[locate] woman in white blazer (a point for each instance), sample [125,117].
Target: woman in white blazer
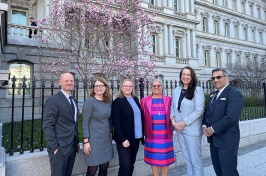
[186,110]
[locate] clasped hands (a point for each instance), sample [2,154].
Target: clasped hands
[179,126]
[207,131]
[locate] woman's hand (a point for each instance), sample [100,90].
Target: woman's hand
[87,148]
[126,143]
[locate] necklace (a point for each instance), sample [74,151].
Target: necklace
[158,112]
[183,91]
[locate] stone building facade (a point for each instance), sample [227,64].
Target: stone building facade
[203,34]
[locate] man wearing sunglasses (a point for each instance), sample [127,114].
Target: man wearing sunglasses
[221,124]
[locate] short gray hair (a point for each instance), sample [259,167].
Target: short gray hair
[225,73]
[157,80]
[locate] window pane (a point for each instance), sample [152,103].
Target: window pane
[19,70]
[19,17]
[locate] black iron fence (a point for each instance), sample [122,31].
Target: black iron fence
[23,129]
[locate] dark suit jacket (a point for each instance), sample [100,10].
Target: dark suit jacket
[59,126]
[224,118]
[123,120]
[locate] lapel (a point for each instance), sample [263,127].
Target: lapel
[128,104]
[177,96]
[148,103]
[225,91]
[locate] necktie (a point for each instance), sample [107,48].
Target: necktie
[214,97]
[72,106]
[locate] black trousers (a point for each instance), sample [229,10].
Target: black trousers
[62,165]
[224,161]
[127,158]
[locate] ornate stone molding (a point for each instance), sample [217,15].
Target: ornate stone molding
[258,6]
[253,28]
[247,54]
[198,46]
[244,1]
[251,3]
[179,33]
[255,55]
[263,56]
[228,50]
[236,23]
[206,47]
[260,30]
[238,52]
[245,26]
[227,21]
[264,8]
[218,49]
[22,3]
[216,18]
[205,14]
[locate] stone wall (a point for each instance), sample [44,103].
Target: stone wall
[37,163]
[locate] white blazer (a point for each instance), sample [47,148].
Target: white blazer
[190,111]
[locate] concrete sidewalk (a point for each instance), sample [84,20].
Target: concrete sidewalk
[251,161]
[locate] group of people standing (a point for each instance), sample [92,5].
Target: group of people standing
[150,121]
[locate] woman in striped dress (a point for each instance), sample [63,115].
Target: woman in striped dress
[158,149]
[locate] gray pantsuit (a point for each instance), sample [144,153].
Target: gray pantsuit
[190,137]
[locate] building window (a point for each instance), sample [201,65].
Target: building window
[259,13]
[216,27]
[253,36]
[217,59]
[19,70]
[19,17]
[251,11]
[228,59]
[245,34]
[225,3]
[243,7]
[175,5]
[226,29]
[214,1]
[206,58]
[234,5]
[151,2]
[153,43]
[204,24]
[177,47]
[236,32]
[261,37]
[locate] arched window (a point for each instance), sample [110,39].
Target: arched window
[19,70]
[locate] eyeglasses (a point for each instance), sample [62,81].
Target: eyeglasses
[99,86]
[154,86]
[217,77]
[127,86]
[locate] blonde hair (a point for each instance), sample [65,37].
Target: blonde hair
[120,94]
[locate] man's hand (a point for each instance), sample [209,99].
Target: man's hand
[207,131]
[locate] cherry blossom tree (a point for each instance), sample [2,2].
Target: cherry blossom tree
[107,37]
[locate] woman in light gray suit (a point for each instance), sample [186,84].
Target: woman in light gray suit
[186,110]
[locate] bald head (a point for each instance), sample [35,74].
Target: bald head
[66,82]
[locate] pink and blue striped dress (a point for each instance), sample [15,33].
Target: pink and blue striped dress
[159,150]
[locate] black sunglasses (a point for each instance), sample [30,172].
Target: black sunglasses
[217,77]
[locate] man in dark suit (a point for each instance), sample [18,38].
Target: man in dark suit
[60,128]
[221,124]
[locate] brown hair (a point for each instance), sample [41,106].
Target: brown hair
[106,95]
[193,83]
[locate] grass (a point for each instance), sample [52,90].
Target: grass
[248,113]
[6,142]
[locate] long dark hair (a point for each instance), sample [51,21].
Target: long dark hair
[192,85]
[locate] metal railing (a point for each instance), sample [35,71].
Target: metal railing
[31,94]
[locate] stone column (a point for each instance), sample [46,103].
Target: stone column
[182,6]
[165,40]
[171,41]
[221,27]
[188,43]
[170,4]
[186,6]
[191,7]
[193,46]
[164,3]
